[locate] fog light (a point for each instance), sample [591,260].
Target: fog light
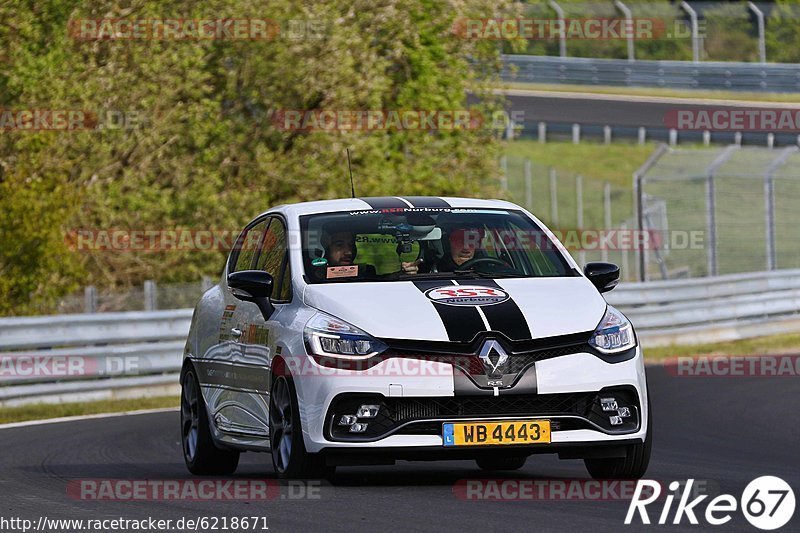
[368,411]
[347,420]
[358,428]
[608,404]
[624,412]
[615,421]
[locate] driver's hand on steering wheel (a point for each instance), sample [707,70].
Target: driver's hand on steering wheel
[410,267]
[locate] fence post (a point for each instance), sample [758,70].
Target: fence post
[562,40]
[606,216]
[90,299]
[711,225]
[624,229]
[762,45]
[528,185]
[150,296]
[576,134]
[504,173]
[695,31]
[607,134]
[642,135]
[629,19]
[706,138]
[553,198]
[711,208]
[770,140]
[769,219]
[579,204]
[542,132]
[673,137]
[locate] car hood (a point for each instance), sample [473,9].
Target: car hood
[444,310]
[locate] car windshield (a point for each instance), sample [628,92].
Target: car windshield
[427,243]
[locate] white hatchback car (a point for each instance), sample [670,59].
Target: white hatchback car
[366,330]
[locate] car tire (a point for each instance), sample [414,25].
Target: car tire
[201,455]
[501,463]
[289,456]
[633,465]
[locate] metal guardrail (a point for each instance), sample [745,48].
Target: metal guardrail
[711,75]
[91,356]
[712,309]
[118,355]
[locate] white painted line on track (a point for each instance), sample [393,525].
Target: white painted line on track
[86,417]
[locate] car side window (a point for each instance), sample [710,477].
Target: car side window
[272,258]
[247,246]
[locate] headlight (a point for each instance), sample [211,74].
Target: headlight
[328,336]
[614,334]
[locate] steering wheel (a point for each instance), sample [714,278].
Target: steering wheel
[479,260]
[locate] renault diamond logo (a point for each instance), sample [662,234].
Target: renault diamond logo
[493,357]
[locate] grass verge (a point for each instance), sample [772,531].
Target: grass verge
[657,92]
[614,162]
[775,344]
[43,411]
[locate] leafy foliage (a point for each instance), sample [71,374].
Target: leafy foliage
[204,151]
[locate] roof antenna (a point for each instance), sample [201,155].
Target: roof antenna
[350,168]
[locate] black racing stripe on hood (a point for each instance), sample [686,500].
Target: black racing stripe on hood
[384,202]
[462,323]
[505,317]
[426,201]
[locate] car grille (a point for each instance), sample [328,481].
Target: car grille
[404,409]
[402,413]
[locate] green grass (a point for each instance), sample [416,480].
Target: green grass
[666,93]
[43,411]
[776,344]
[614,163]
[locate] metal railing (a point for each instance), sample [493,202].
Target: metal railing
[118,355]
[710,75]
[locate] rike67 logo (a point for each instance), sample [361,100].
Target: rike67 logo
[767,503]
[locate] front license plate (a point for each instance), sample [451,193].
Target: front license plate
[491,433]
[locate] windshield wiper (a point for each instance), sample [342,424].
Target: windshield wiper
[489,275]
[432,275]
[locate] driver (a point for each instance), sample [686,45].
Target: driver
[462,245]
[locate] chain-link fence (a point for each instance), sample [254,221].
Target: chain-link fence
[148,297]
[725,211]
[593,218]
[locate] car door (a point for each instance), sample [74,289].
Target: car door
[258,338]
[229,397]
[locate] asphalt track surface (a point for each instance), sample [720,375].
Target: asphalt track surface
[726,431]
[614,110]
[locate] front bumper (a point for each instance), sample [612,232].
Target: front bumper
[414,406]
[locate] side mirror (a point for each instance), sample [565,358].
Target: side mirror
[253,286]
[604,276]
